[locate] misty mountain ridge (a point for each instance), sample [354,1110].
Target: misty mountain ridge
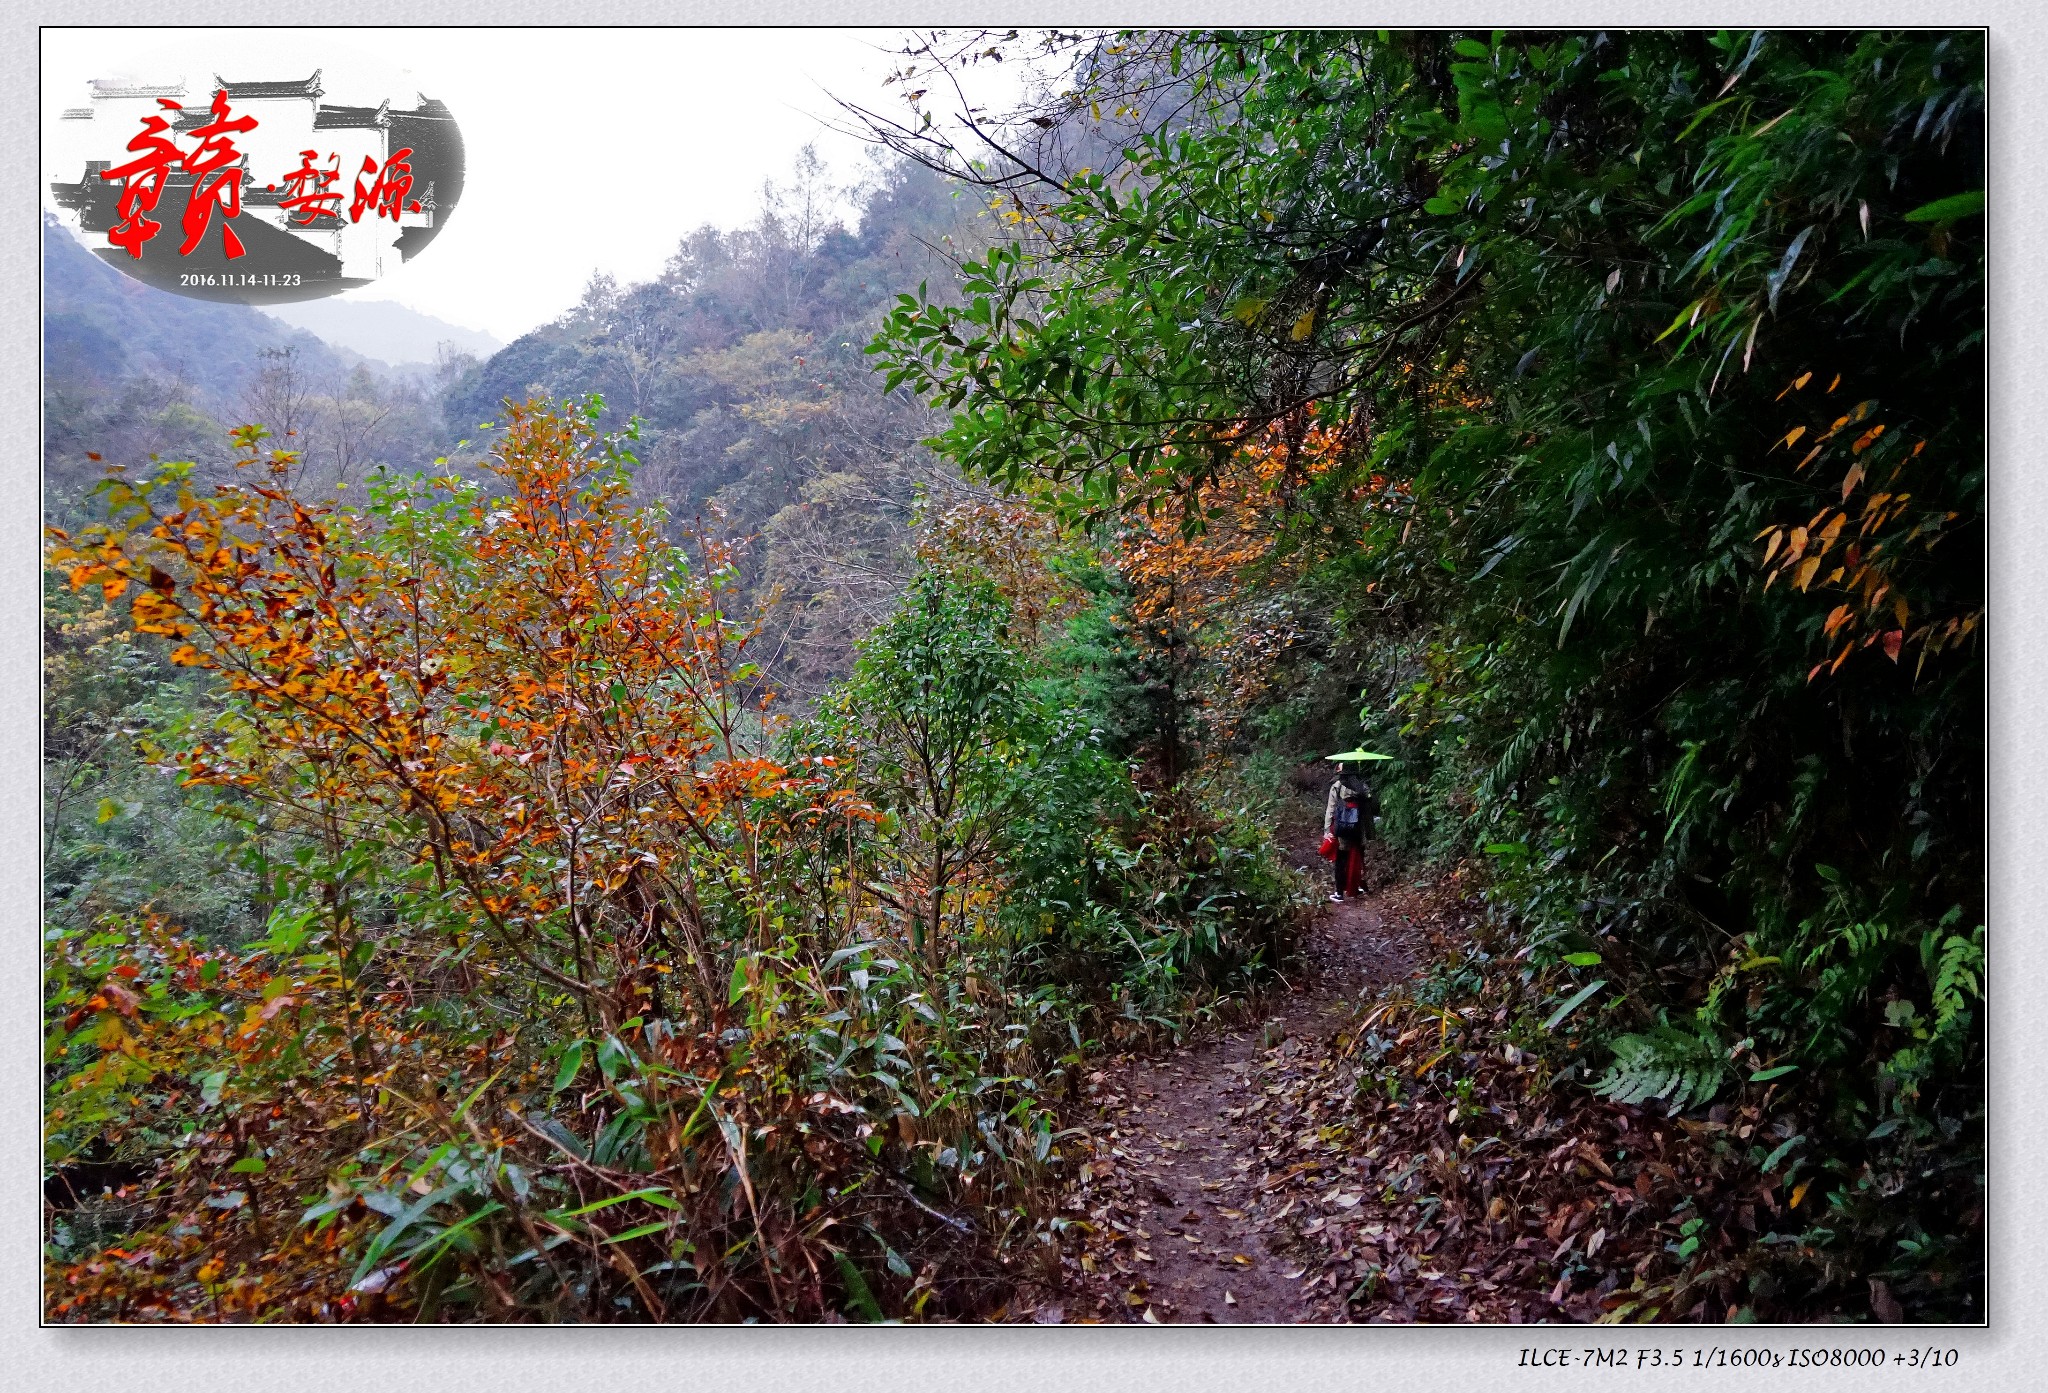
[104,328]
[132,373]
[382,330]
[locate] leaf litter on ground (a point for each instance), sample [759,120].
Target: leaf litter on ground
[1363,1156]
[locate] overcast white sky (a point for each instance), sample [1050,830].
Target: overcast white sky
[666,128]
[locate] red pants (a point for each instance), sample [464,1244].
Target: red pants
[1350,861]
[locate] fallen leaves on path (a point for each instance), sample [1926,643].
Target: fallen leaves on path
[1446,1173]
[1166,1218]
[1369,1156]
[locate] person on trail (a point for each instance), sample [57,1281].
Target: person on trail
[1347,819]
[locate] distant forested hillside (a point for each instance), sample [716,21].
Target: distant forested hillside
[101,326]
[761,413]
[130,371]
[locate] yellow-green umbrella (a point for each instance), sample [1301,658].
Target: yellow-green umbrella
[1356,756]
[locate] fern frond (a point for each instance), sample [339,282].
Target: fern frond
[1960,976]
[1669,1063]
[1509,766]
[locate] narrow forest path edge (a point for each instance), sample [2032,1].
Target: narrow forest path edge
[1179,1227]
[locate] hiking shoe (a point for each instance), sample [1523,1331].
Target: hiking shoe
[1336,899]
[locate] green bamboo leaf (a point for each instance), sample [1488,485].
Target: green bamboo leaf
[653,1197]
[1677,321]
[1961,205]
[572,1064]
[1578,998]
[857,1293]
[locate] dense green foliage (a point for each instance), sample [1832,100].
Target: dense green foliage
[1117,898]
[116,832]
[1655,542]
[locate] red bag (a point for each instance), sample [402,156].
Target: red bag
[1328,850]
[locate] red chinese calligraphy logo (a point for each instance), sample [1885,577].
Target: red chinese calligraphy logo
[217,171]
[214,164]
[385,195]
[254,187]
[142,182]
[307,194]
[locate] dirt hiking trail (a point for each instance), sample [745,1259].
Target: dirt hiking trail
[1184,1230]
[1315,1165]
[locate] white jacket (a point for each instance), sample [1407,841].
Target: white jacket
[1340,791]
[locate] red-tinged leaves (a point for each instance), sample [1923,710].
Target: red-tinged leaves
[1867,571]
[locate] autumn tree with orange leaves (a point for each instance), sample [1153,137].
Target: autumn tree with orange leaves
[548,965]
